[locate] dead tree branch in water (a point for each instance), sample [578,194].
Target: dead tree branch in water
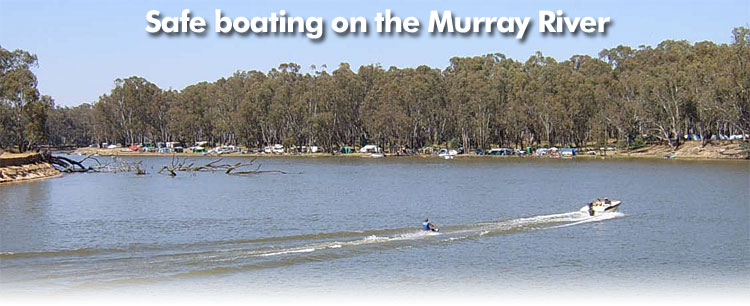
[251,172]
[178,165]
[67,164]
[77,166]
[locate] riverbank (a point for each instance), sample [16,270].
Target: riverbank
[688,150]
[24,167]
[692,150]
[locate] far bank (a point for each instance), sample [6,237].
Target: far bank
[689,150]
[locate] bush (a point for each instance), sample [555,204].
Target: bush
[635,144]
[745,147]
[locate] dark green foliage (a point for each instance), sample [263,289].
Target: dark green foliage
[745,147]
[660,93]
[634,144]
[23,113]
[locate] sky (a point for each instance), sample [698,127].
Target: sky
[83,46]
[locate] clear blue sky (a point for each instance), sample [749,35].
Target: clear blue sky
[84,45]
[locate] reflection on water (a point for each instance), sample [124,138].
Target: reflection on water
[500,219]
[23,205]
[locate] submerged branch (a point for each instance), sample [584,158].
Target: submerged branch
[178,166]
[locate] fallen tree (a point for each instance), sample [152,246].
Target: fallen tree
[116,164]
[185,165]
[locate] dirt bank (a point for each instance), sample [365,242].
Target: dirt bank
[691,150]
[24,167]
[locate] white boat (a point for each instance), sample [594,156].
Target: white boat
[599,207]
[377,155]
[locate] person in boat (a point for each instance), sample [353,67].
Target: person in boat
[591,208]
[607,201]
[428,226]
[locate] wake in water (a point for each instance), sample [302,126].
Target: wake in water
[76,267]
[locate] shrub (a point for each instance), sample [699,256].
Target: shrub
[635,144]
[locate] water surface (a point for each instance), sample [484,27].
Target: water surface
[506,224]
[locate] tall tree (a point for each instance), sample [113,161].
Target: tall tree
[23,113]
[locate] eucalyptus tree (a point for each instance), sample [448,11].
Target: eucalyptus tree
[659,93]
[666,86]
[22,111]
[623,107]
[538,95]
[737,68]
[71,125]
[123,114]
[190,121]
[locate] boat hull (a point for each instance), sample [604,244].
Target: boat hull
[601,209]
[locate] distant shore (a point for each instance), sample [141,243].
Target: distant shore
[689,150]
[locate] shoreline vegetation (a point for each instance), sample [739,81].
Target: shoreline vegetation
[691,150]
[656,101]
[31,166]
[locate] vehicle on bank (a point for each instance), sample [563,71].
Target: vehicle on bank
[225,150]
[173,144]
[198,150]
[501,152]
[447,153]
[370,149]
[567,152]
[275,149]
[310,149]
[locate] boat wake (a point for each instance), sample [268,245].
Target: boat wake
[596,218]
[144,263]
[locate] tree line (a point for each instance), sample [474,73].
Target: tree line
[634,95]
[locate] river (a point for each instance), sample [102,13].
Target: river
[507,225]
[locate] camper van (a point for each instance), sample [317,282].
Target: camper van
[567,152]
[501,152]
[370,149]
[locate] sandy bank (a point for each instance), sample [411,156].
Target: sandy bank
[692,150]
[24,167]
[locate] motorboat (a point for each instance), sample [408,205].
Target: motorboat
[377,155]
[599,207]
